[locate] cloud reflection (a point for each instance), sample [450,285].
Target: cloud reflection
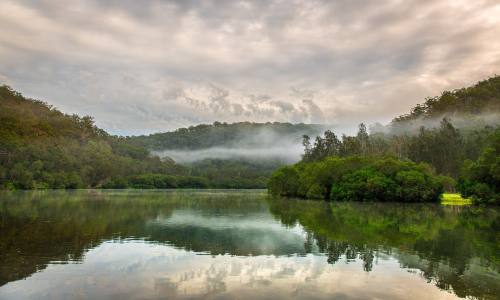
[137,270]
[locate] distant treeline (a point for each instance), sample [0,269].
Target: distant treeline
[469,154]
[223,135]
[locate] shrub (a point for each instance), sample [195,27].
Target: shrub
[358,179]
[480,180]
[284,182]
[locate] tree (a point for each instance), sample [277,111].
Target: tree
[363,138]
[480,179]
[358,178]
[306,142]
[332,143]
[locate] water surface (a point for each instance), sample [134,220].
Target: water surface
[241,245]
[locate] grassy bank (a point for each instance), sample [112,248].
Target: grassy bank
[454,199]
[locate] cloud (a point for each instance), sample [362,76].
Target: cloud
[157,65]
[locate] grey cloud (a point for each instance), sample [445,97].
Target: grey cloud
[259,98]
[284,107]
[314,111]
[301,93]
[200,61]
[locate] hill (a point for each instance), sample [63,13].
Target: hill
[41,147]
[473,106]
[244,141]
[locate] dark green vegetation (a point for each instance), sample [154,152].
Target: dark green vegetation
[235,173]
[480,100]
[41,148]
[354,167]
[480,179]
[358,178]
[454,248]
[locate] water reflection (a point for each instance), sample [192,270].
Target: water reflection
[213,244]
[457,248]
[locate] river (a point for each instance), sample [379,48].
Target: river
[241,244]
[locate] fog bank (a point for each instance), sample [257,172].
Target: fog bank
[288,153]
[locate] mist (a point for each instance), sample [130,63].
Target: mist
[458,121]
[256,145]
[289,153]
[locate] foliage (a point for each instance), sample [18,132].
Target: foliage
[358,178]
[41,148]
[233,173]
[482,98]
[444,147]
[285,181]
[480,179]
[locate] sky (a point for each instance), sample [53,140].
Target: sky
[149,66]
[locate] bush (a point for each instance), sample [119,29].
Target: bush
[151,181]
[284,182]
[480,180]
[316,191]
[358,179]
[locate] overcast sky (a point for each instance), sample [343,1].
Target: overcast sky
[148,66]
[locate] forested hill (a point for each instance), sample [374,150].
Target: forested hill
[26,119]
[41,147]
[242,134]
[481,101]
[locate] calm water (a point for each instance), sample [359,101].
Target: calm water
[241,245]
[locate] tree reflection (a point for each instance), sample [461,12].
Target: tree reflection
[455,247]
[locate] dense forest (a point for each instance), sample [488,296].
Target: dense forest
[354,167]
[358,178]
[41,148]
[481,101]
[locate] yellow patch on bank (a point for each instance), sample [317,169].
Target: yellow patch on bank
[454,199]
